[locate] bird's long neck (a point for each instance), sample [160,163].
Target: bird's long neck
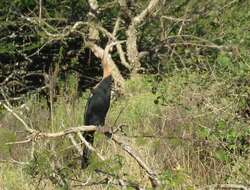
[106,68]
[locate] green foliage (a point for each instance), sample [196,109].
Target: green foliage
[111,166]
[12,177]
[7,48]
[231,138]
[42,167]
[173,179]
[69,109]
[240,172]
[134,109]
[195,105]
[224,61]
[221,155]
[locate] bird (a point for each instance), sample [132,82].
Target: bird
[96,108]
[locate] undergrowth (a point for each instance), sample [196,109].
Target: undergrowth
[190,121]
[190,127]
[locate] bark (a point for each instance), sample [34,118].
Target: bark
[112,37]
[93,34]
[98,51]
[119,46]
[132,50]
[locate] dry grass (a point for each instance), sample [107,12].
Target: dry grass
[190,144]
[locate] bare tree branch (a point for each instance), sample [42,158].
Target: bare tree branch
[40,10]
[99,53]
[76,145]
[225,186]
[132,50]
[146,12]
[118,45]
[35,135]
[90,147]
[175,19]
[93,4]
[112,37]
[18,118]
[14,162]
[151,174]
[116,27]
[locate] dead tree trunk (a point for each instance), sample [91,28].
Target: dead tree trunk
[132,50]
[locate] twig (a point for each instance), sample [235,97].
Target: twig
[116,27]
[18,118]
[225,186]
[151,174]
[176,19]
[7,79]
[76,145]
[39,49]
[40,10]
[61,35]
[14,162]
[199,45]
[119,47]
[67,131]
[146,12]
[123,183]
[5,98]
[35,135]
[19,142]
[38,135]
[89,146]
[228,4]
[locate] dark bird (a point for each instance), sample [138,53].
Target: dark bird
[97,108]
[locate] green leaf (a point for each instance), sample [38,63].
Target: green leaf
[221,155]
[203,132]
[224,60]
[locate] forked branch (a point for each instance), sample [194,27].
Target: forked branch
[35,135]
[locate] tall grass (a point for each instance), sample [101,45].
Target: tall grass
[195,134]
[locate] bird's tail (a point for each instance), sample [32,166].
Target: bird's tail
[86,154]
